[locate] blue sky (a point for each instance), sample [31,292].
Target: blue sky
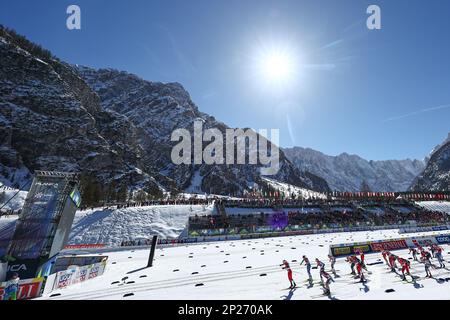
[381,94]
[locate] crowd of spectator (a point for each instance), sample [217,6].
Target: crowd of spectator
[324,216]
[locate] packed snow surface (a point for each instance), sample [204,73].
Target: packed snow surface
[112,226]
[250,269]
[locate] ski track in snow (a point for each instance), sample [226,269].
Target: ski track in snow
[223,269]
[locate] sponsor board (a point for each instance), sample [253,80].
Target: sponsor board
[341,251]
[393,244]
[345,250]
[362,248]
[443,239]
[28,289]
[389,245]
[78,275]
[25,268]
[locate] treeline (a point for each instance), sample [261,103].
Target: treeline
[2,197]
[26,44]
[95,192]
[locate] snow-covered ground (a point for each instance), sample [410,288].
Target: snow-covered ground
[250,269]
[288,189]
[112,226]
[442,206]
[17,202]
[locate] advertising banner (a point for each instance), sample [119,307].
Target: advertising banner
[341,251]
[443,239]
[389,245]
[28,289]
[78,275]
[26,268]
[393,244]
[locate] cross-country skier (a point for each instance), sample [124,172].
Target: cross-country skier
[427,263]
[405,268]
[392,264]
[359,267]
[326,284]
[11,288]
[308,267]
[413,251]
[320,264]
[433,250]
[425,254]
[385,255]
[321,267]
[332,262]
[352,261]
[361,257]
[438,256]
[289,273]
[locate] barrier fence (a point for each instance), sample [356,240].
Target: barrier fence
[85,246]
[268,232]
[423,229]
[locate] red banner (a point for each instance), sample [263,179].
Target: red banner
[28,289]
[389,245]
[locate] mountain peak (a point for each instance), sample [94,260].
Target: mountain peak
[347,172]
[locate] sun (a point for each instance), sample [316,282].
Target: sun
[277,66]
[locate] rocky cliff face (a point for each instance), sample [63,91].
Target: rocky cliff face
[157,109]
[111,124]
[350,172]
[51,120]
[436,176]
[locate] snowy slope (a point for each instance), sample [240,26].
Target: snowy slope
[112,226]
[436,176]
[289,189]
[16,203]
[249,269]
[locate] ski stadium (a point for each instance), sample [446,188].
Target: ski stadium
[213,248]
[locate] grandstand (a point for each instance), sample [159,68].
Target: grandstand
[293,216]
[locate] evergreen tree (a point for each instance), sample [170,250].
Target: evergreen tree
[122,194]
[365,187]
[2,197]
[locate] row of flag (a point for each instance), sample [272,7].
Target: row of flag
[426,196]
[259,194]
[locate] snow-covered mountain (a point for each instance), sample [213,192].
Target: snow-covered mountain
[347,172]
[51,120]
[108,124]
[436,176]
[157,109]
